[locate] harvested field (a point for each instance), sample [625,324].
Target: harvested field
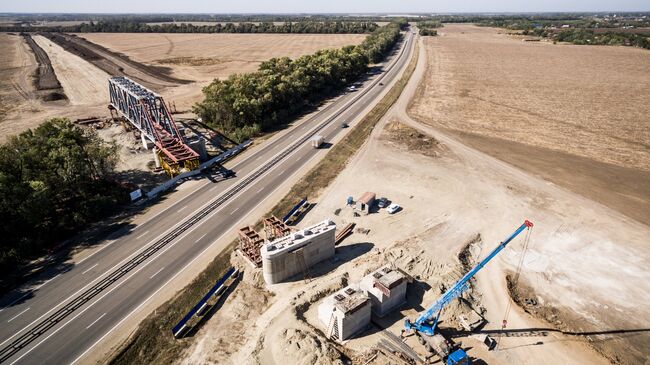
[17,64]
[230,53]
[575,115]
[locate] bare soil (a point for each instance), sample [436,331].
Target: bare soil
[585,266]
[114,64]
[574,115]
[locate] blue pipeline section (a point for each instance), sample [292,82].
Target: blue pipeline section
[202,302]
[294,210]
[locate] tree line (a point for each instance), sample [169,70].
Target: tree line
[128,26]
[244,105]
[54,180]
[428,27]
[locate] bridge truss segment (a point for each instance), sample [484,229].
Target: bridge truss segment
[147,111]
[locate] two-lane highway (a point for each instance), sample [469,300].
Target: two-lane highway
[65,318]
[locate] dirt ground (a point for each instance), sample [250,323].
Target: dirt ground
[574,115]
[584,270]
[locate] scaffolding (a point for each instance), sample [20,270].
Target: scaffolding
[275,228]
[148,112]
[250,243]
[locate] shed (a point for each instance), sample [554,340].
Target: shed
[365,202]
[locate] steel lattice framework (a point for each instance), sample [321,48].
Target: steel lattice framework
[147,111]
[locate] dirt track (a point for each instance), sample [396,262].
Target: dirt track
[113,63]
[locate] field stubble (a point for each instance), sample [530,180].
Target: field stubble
[574,115]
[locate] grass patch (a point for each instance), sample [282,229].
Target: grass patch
[153,342]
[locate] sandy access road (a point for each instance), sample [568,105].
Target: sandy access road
[585,260]
[574,115]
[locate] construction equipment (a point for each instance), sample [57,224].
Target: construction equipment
[148,112]
[426,323]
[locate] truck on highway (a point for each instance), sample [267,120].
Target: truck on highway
[317,141]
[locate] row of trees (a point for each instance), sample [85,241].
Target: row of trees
[127,26]
[246,104]
[428,27]
[54,180]
[585,36]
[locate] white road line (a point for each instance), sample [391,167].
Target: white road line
[15,301]
[92,267]
[291,153]
[159,289]
[200,238]
[142,235]
[47,281]
[260,190]
[282,172]
[214,188]
[185,206]
[299,158]
[17,315]
[233,212]
[157,272]
[95,321]
[161,235]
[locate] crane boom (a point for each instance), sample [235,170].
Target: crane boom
[455,291]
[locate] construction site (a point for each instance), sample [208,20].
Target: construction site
[445,279]
[432,244]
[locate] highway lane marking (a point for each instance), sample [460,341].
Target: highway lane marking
[18,315]
[200,238]
[159,289]
[185,206]
[299,158]
[47,281]
[216,186]
[236,209]
[156,273]
[258,157]
[282,172]
[15,301]
[142,235]
[260,190]
[92,267]
[95,321]
[135,253]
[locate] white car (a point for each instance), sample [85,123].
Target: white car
[393,208]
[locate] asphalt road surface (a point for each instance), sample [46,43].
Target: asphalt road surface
[62,319]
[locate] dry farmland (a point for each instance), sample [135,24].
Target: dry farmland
[575,115]
[202,57]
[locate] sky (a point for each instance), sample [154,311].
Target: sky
[306,6]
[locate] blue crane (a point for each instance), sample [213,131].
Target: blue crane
[426,323]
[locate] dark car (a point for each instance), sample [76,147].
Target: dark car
[382,203]
[344,125]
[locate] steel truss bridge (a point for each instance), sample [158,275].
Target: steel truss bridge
[147,111]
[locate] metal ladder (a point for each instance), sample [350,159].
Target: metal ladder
[333,328]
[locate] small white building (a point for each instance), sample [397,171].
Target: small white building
[386,289]
[365,202]
[345,313]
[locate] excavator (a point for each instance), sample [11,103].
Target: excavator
[426,324]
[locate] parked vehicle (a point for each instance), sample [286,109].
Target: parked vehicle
[393,208]
[317,141]
[382,203]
